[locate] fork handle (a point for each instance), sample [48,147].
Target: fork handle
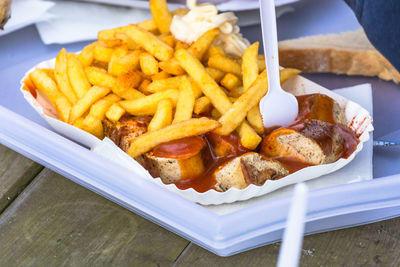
[270,41]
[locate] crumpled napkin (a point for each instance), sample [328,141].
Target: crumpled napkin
[26,12]
[71,21]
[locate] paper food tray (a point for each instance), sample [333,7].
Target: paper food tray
[358,119]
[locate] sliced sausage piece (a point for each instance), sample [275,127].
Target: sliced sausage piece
[176,160]
[249,168]
[125,130]
[313,142]
[320,107]
[225,145]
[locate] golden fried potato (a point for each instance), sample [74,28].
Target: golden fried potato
[161,15]
[163,115]
[225,64]
[171,66]
[164,84]
[77,76]
[100,77]
[147,105]
[250,73]
[191,127]
[48,86]
[61,76]
[235,115]
[160,76]
[150,43]
[169,39]
[185,105]
[102,54]
[200,46]
[287,73]
[230,81]
[86,55]
[115,112]
[202,105]
[217,75]
[84,103]
[148,64]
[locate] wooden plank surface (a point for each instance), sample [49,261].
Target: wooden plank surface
[16,172]
[376,244]
[56,222]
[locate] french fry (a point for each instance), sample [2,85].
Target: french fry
[202,105]
[84,103]
[286,74]
[148,64]
[169,39]
[131,94]
[86,55]
[150,24]
[179,45]
[161,15]
[127,80]
[50,73]
[217,75]
[100,77]
[248,136]
[191,127]
[130,44]
[147,105]
[235,116]
[164,84]
[111,43]
[159,76]
[91,125]
[213,50]
[143,86]
[200,46]
[103,54]
[115,112]
[92,122]
[196,90]
[261,63]
[230,81]
[236,92]
[171,66]
[110,33]
[49,87]
[198,73]
[250,73]
[162,117]
[61,76]
[225,64]
[150,43]
[99,109]
[123,61]
[185,105]
[249,65]
[79,123]
[215,114]
[77,76]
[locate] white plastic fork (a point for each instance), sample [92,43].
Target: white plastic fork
[278,108]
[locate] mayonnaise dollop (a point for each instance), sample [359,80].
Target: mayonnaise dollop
[202,18]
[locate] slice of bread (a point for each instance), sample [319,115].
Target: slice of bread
[346,53]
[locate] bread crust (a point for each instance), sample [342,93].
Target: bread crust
[337,60]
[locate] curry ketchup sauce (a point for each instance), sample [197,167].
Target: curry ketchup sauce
[218,150]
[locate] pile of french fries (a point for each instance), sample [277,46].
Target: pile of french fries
[142,70]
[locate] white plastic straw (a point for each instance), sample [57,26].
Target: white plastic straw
[289,254]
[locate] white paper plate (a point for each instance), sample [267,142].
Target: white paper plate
[358,119]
